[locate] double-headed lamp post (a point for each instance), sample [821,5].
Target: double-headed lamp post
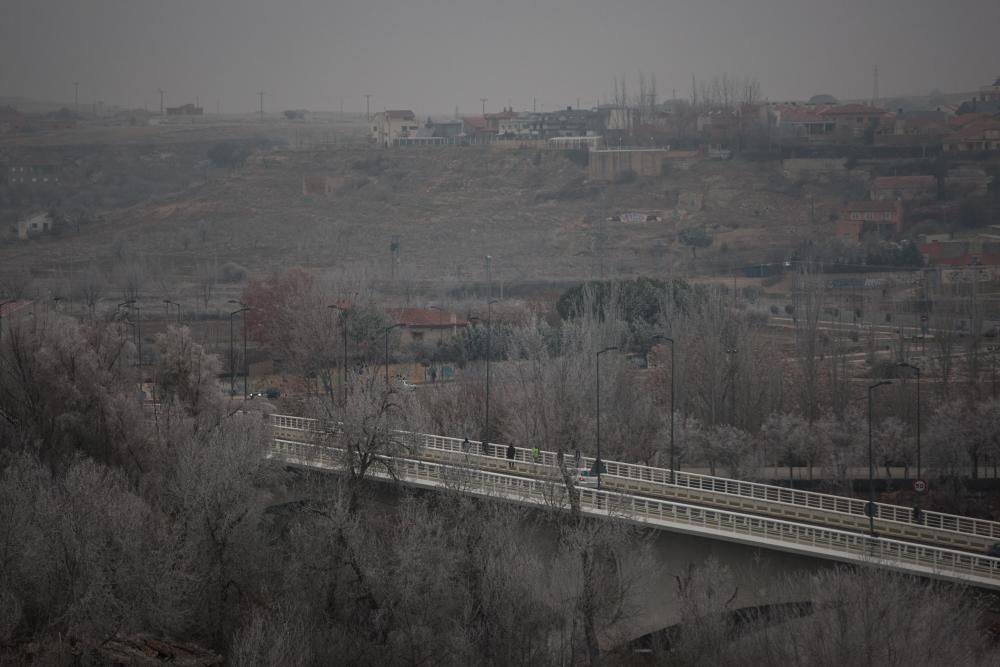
[232,358]
[915,369]
[871,460]
[343,369]
[599,464]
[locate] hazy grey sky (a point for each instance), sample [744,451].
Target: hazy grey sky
[433,55]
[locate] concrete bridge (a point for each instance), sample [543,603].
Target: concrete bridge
[749,518]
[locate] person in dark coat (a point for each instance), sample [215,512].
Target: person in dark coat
[511,453]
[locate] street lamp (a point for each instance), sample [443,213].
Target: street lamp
[232,358]
[732,382]
[169,303]
[138,331]
[489,352]
[673,390]
[871,460]
[343,370]
[386,331]
[916,369]
[598,463]
[129,304]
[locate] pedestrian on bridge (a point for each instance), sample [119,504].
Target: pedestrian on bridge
[511,454]
[466,445]
[536,454]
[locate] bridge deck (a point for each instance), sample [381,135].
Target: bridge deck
[829,510]
[753,530]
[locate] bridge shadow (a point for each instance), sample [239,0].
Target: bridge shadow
[660,642]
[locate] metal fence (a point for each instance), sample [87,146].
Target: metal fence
[745,528]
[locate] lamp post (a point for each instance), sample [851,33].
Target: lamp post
[489,353]
[916,369]
[343,369]
[598,463]
[246,368]
[673,390]
[126,304]
[871,460]
[169,303]
[138,331]
[386,331]
[732,383]
[232,358]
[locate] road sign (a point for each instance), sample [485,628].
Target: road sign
[920,485]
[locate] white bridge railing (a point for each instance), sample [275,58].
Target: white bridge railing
[985,531]
[721,524]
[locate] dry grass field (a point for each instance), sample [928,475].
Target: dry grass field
[151,197]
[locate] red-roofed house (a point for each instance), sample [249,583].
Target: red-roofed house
[493,120]
[419,322]
[392,125]
[973,133]
[859,218]
[854,118]
[476,126]
[962,253]
[906,188]
[801,121]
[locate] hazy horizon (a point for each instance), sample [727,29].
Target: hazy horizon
[436,55]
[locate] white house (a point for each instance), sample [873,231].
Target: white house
[39,223]
[388,126]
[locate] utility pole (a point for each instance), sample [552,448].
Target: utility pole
[161,91]
[76,97]
[368,107]
[534,105]
[483,100]
[261,94]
